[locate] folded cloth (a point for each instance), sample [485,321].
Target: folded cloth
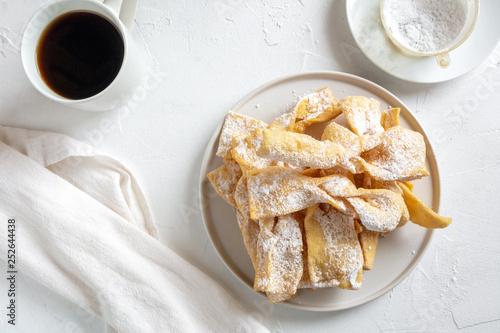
[87,233]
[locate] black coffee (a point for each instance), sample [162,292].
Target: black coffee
[79,54]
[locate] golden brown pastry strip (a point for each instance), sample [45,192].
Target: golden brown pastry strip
[265,242]
[303,150]
[339,134]
[334,252]
[368,240]
[284,259]
[250,231]
[224,180]
[277,191]
[420,213]
[245,153]
[363,114]
[390,118]
[318,107]
[399,156]
[396,154]
[236,127]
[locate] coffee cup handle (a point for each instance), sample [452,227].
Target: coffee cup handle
[124,9]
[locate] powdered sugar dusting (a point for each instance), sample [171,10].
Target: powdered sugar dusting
[378,210]
[341,257]
[285,257]
[303,151]
[241,197]
[236,126]
[318,102]
[396,154]
[400,156]
[339,186]
[224,180]
[363,114]
[426,26]
[285,121]
[245,153]
[265,242]
[276,191]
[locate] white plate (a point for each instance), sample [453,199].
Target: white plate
[396,255]
[366,27]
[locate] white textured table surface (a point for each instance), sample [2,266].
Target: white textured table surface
[204,57]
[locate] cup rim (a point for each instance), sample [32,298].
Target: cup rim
[49,93]
[429,54]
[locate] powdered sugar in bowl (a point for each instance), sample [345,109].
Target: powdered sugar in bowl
[429,27]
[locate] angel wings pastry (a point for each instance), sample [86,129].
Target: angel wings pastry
[311,210]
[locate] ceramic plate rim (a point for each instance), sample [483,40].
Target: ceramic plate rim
[407,114]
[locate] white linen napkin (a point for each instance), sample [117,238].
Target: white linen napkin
[86,233]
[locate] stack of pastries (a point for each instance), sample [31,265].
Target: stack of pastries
[311,210]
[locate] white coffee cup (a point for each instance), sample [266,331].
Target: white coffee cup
[121,14]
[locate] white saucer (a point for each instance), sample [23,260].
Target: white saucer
[364,21]
[397,254]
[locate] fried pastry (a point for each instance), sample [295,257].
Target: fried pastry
[303,150]
[245,153]
[318,107]
[363,114]
[420,213]
[390,118]
[396,154]
[368,240]
[333,249]
[241,198]
[284,259]
[224,180]
[236,127]
[311,211]
[399,156]
[250,232]
[391,185]
[275,191]
[338,134]
[265,241]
